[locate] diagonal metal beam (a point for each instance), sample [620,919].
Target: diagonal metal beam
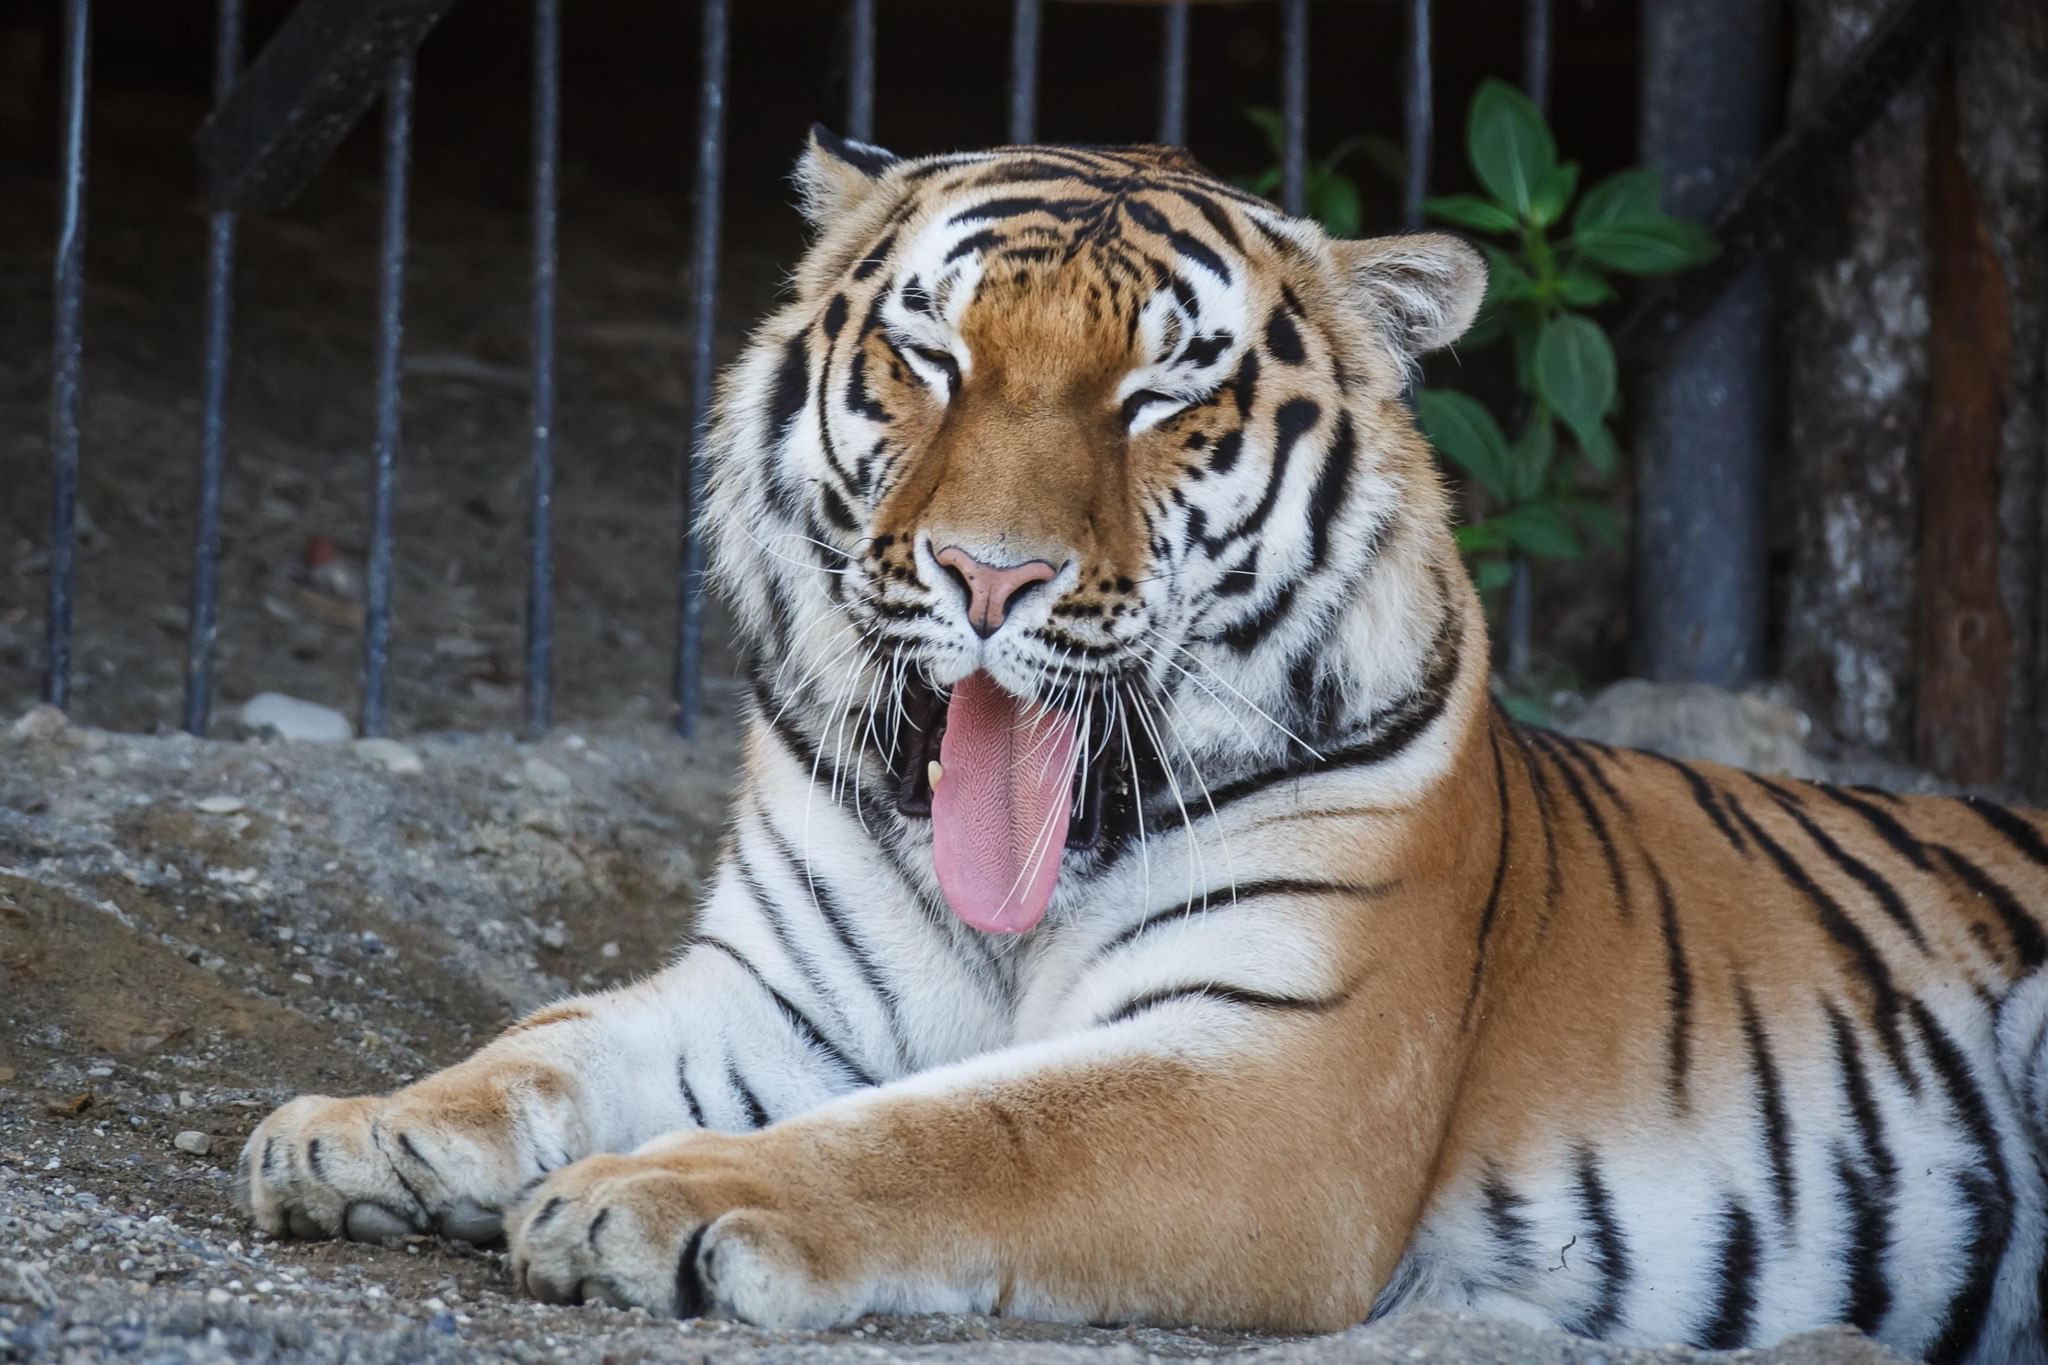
[1787,182]
[302,94]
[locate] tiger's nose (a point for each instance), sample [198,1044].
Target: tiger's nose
[991,589]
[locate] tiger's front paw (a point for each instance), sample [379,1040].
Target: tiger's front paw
[444,1157]
[698,1227]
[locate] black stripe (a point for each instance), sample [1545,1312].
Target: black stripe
[1679,1043]
[2017,831]
[1703,796]
[1883,892]
[1606,1250]
[755,1112]
[2020,926]
[973,242]
[1328,496]
[1283,339]
[691,1300]
[1293,421]
[1740,1259]
[1984,1187]
[1870,1189]
[1221,993]
[1018,206]
[1224,897]
[1881,820]
[1500,870]
[836,920]
[1553,884]
[877,256]
[792,387]
[1771,1101]
[1244,636]
[1185,243]
[689,1095]
[1845,932]
[795,1017]
[1509,1225]
[1617,875]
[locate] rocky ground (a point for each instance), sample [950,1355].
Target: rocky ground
[192,931]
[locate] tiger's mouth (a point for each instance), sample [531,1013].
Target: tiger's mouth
[920,735]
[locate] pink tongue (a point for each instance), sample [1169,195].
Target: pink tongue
[999,815]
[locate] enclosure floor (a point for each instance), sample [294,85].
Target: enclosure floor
[193,931]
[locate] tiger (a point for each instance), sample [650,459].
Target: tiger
[1136,907]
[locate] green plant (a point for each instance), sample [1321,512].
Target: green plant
[1329,195]
[1539,290]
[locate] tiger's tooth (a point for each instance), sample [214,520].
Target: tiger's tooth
[933,772]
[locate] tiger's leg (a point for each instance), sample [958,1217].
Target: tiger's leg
[1170,1166]
[713,1041]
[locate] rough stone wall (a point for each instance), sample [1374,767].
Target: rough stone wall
[1855,338]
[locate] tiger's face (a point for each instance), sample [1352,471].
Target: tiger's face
[1050,430]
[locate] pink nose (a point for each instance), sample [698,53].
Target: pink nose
[990,588]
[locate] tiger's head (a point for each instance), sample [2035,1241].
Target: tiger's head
[1070,478]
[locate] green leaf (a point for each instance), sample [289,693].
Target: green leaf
[1265,182]
[1655,246]
[1467,435]
[1268,121]
[1333,201]
[1596,443]
[1492,325]
[1598,518]
[1525,327]
[1525,709]
[1575,372]
[1552,193]
[1469,210]
[1531,456]
[1582,289]
[1507,279]
[1542,529]
[1627,197]
[1481,537]
[1491,575]
[1510,147]
[1379,152]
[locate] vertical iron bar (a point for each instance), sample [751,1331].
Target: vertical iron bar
[1518,627]
[713,45]
[390,340]
[65,345]
[1536,52]
[540,569]
[220,308]
[860,70]
[1294,105]
[1418,114]
[1024,25]
[1173,74]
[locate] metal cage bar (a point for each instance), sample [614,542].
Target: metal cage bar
[540,567]
[1518,620]
[1536,42]
[860,70]
[204,614]
[1173,74]
[714,48]
[66,346]
[1025,25]
[376,711]
[1417,114]
[1294,105]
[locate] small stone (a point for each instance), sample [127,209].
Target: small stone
[220,805]
[193,1141]
[293,718]
[554,937]
[391,756]
[302,978]
[609,950]
[7,1073]
[187,1100]
[545,777]
[217,1297]
[39,722]
[99,1071]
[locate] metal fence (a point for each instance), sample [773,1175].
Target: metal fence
[274,124]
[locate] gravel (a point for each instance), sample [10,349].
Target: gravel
[173,965]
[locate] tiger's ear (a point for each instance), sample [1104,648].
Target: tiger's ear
[1424,288]
[834,174]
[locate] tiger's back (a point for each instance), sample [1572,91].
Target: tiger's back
[1748,1061]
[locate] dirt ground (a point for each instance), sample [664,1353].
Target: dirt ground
[193,931]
